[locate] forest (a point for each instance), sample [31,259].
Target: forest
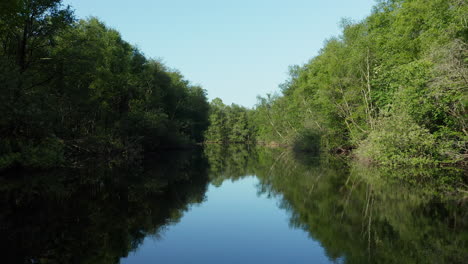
[74,87]
[230,124]
[389,90]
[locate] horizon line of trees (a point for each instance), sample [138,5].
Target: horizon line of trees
[229,124]
[391,88]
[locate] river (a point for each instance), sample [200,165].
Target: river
[233,204]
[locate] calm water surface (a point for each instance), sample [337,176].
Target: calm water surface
[236,224]
[232,204]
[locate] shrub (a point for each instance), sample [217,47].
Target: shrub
[398,140]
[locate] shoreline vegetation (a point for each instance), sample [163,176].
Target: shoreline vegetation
[75,87]
[390,91]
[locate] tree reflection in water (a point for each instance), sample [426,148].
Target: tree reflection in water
[97,214]
[359,214]
[100,213]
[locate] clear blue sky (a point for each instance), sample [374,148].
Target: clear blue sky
[235,49]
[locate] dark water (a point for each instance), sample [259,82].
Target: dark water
[233,204]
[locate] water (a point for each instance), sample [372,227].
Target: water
[228,228]
[233,204]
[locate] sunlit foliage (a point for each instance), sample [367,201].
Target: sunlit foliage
[392,85]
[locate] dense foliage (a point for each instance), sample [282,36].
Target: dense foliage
[72,86]
[229,124]
[393,86]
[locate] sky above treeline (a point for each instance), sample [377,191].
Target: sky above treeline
[235,50]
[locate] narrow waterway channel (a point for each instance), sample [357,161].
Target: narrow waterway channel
[231,204]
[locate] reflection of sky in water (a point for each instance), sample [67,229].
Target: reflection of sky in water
[233,225]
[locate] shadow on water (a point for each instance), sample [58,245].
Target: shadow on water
[358,214]
[97,214]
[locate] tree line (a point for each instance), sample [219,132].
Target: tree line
[391,88]
[75,86]
[230,124]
